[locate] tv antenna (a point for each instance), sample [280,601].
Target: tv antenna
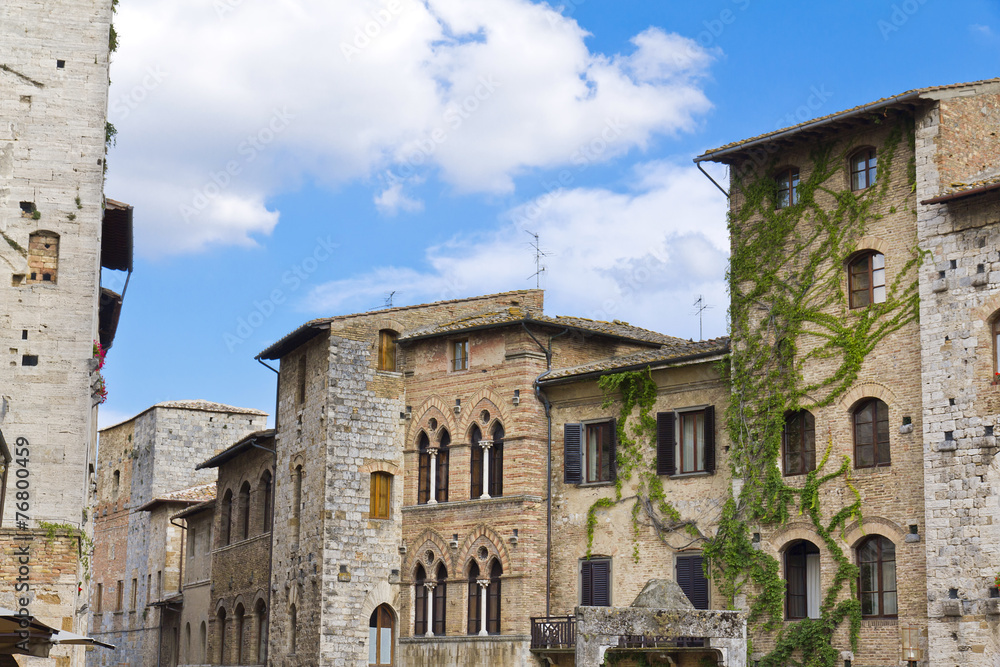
[700,307]
[388,299]
[539,253]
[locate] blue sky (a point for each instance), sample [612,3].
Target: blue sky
[292,159]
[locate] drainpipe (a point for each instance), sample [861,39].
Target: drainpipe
[548,462]
[274,493]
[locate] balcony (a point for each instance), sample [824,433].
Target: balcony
[552,634]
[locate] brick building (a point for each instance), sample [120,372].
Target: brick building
[57,234]
[146,469]
[883,204]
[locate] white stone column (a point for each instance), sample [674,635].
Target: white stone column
[486,445]
[430,586]
[432,493]
[483,587]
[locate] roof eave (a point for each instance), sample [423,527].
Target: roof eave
[941,199]
[297,338]
[663,363]
[715,155]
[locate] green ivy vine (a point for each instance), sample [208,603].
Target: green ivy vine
[789,309]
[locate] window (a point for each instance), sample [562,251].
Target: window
[493,599]
[187,655]
[460,355]
[496,463]
[866,275]
[387,350]
[419,601]
[240,630]
[159,583]
[297,502]
[871,434]
[260,616]
[692,441]
[300,376]
[381,490]
[203,647]
[220,631]
[690,572]
[423,469]
[116,480]
[595,582]
[266,501]
[293,629]
[441,473]
[244,511]
[599,452]
[120,595]
[440,601]
[226,518]
[798,442]
[99,599]
[476,463]
[192,542]
[877,583]
[788,187]
[149,588]
[802,576]
[43,257]
[685,441]
[864,167]
[475,599]
[381,637]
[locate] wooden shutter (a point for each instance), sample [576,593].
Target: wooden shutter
[572,452]
[710,439]
[424,478]
[601,583]
[586,585]
[665,444]
[441,493]
[613,449]
[474,592]
[419,604]
[691,578]
[476,467]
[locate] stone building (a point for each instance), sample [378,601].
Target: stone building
[196,586]
[57,235]
[859,217]
[145,471]
[240,547]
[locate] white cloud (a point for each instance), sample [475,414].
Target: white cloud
[984,30]
[642,255]
[265,95]
[392,200]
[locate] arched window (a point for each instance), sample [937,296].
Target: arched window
[387,350]
[802,577]
[864,168]
[877,581]
[293,629]
[297,503]
[440,601]
[866,278]
[496,462]
[260,618]
[380,490]
[871,434]
[188,654]
[476,464]
[116,480]
[788,187]
[381,637]
[43,257]
[419,601]
[202,643]
[240,622]
[424,469]
[226,518]
[220,632]
[266,500]
[441,481]
[799,443]
[475,597]
[244,511]
[493,599]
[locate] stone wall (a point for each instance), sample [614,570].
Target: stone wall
[197,586]
[53,99]
[957,141]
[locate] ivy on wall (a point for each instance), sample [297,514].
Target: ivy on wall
[789,310]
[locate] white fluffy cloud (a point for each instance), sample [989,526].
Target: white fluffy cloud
[221,105]
[642,255]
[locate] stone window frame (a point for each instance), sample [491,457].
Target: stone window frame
[377,480]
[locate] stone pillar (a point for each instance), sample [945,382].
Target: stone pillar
[486,445]
[430,586]
[483,588]
[432,492]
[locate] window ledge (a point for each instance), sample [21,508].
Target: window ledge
[684,475]
[459,639]
[588,485]
[473,502]
[392,374]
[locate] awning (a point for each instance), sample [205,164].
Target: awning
[109,311]
[26,635]
[116,236]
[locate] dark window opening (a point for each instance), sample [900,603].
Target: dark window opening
[599,452]
[60,64]
[799,443]
[691,579]
[788,187]
[802,574]
[29,360]
[871,434]
[877,580]
[595,582]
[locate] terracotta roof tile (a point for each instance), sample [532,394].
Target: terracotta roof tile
[659,357]
[191,495]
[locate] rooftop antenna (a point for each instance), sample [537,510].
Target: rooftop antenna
[388,299]
[539,268]
[700,307]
